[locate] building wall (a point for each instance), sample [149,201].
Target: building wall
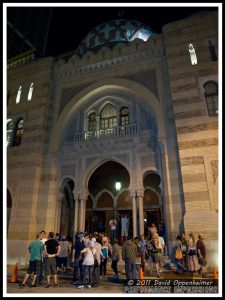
[197,133]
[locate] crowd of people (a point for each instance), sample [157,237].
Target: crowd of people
[90,253]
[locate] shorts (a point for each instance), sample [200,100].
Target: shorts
[50,266]
[124,232]
[34,267]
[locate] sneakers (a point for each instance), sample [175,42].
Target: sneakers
[47,285]
[33,285]
[22,285]
[80,286]
[89,286]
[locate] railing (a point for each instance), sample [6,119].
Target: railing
[115,131]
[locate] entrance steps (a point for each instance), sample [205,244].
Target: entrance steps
[166,261]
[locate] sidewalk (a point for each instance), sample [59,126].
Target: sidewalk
[108,286]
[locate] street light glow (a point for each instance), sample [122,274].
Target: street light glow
[118,186]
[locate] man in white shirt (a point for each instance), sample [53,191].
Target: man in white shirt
[124,227]
[112,225]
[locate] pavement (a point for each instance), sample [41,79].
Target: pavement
[107,286]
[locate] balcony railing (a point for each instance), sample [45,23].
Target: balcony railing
[97,134]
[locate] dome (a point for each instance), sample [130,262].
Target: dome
[119,30]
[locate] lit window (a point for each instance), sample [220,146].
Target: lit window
[108,117]
[18,133]
[211,98]
[30,92]
[212,51]
[9,131]
[92,124]
[192,53]
[124,116]
[19,94]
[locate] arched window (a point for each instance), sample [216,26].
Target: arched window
[30,92]
[18,133]
[9,131]
[211,97]
[192,53]
[108,118]
[92,124]
[212,51]
[19,94]
[124,116]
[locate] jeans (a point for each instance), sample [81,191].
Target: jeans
[180,267]
[88,274]
[130,269]
[114,266]
[103,266]
[113,236]
[78,264]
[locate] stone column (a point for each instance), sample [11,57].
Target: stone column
[76,207]
[140,197]
[134,215]
[84,212]
[81,214]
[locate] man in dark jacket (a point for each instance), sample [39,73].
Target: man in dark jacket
[129,254]
[77,257]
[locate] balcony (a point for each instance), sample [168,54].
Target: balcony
[108,132]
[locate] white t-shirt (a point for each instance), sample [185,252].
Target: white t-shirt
[112,224]
[124,223]
[89,257]
[161,243]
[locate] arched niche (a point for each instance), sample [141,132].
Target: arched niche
[123,200]
[105,200]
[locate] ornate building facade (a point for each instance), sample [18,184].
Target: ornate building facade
[127,124]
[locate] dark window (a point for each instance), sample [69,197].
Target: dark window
[124,116]
[92,124]
[211,98]
[212,51]
[18,133]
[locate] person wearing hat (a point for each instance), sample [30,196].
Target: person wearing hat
[77,257]
[88,263]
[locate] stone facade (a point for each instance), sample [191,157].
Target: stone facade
[169,134]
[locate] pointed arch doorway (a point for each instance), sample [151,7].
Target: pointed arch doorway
[103,191]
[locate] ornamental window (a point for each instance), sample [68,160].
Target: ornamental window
[211,98]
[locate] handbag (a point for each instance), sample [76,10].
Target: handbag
[192,252]
[178,254]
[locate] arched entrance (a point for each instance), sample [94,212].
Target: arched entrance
[153,209]
[67,209]
[9,208]
[105,185]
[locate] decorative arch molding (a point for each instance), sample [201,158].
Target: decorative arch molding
[103,86]
[155,201]
[123,201]
[97,163]
[102,203]
[63,180]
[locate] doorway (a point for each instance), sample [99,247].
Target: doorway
[151,215]
[121,213]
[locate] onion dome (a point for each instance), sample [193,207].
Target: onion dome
[109,33]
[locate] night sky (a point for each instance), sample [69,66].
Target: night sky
[70,25]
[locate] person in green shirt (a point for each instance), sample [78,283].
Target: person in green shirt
[35,248]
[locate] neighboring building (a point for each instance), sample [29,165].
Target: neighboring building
[131,107]
[27,29]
